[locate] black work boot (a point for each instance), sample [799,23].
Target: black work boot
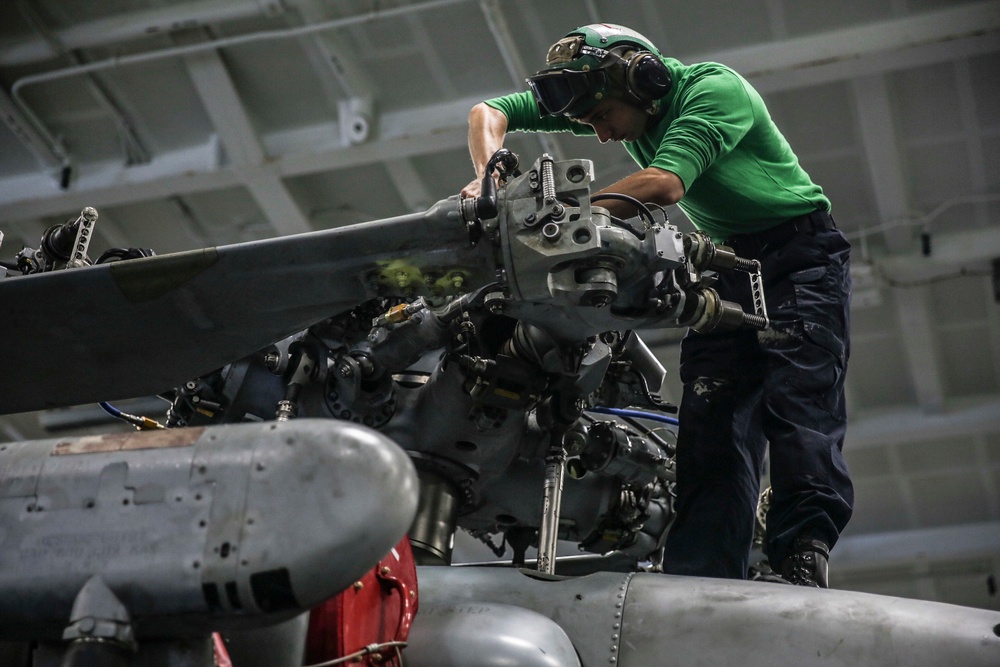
[807,564]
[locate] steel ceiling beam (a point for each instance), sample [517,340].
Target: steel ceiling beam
[866,49]
[239,138]
[775,10]
[308,150]
[330,61]
[957,419]
[516,68]
[443,127]
[409,184]
[48,150]
[135,25]
[954,253]
[881,148]
[818,73]
[217,44]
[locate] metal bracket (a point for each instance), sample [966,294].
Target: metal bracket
[84,233]
[757,293]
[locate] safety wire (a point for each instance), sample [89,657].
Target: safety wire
[644,212]
[663,211]
[371,648]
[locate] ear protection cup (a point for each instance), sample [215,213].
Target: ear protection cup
[646,77]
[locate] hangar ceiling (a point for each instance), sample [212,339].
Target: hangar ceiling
[195,123]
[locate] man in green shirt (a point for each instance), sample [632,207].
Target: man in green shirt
[704,140]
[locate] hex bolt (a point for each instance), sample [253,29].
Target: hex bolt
[272,361]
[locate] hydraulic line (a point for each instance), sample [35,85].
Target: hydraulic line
[636,414]
[141,423]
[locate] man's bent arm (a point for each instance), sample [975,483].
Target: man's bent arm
[651,185]
[487,129]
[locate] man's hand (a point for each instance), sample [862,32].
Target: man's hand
[473,189]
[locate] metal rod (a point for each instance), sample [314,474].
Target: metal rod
[548,532]
[137,25]
[298,31]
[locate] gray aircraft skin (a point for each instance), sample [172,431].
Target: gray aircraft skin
[470,367]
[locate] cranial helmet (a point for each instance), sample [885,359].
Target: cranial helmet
[595,61]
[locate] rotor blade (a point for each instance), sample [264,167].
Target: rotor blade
[140,327]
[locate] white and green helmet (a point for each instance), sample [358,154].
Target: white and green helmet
[596,61]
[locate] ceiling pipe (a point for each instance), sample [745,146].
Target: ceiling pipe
[138,25]
[47,149]
[187,49]
[135,151]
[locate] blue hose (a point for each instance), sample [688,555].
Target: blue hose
[635,414]
[141,423]
[110,409]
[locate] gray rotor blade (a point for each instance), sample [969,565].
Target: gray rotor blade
[140,327]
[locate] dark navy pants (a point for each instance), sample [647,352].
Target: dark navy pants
[783,388]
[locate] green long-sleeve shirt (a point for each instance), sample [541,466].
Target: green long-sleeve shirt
[713,130]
